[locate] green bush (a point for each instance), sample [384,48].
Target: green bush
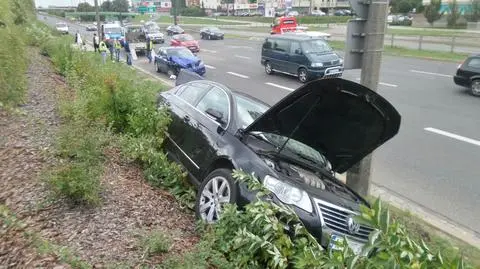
[192,12]
[256,237]
[155,242]
[14,18]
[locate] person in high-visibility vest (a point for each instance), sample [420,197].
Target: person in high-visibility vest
[117,47]
[149,49]
[102,47]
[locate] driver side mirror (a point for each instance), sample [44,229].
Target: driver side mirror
[298,51]
[215,114]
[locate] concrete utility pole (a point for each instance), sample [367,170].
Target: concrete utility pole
[174,7]
[358,177]
[97,18]
[311,7]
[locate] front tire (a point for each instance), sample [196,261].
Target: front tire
[268,68]
[475,89]
[302,75]
[217,189]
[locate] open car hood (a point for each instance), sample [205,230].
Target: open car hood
[341,119]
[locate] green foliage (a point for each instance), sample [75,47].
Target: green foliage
[454,14]
[14,18]
[267,235]
[85,7]
[432,11]
[155,242]
[192,12]
[405,6]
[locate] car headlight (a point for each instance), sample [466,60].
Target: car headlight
[288,194]
[317,64]
[341,61]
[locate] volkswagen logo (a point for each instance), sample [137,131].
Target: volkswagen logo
[352,226]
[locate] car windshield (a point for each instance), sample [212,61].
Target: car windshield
[183,53]
[185,37]
[61,25]
[295,148]
[113,30]
[315,46]
[248,110]
[154,30]
[214,29]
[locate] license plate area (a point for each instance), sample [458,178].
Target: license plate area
[337,243]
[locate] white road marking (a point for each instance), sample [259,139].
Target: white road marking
[210,67]
[454,136]
[384,84]
[211,51]
[237,75]
[430,73]
[241,47]
[280,86]
[242,57]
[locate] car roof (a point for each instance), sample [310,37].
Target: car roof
[295,37]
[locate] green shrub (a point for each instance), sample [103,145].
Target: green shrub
[192,12]
[155,242]
[256,238]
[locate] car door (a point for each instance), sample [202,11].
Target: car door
[281,55]
[296,57]
[472,67]
[210,130]
[162,60]
[182,128]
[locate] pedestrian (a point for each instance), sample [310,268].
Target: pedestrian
[77,35]
[126,45]
[149,49]
[95,42]
[79,41]
[102,47]
[117,47]
[111,48]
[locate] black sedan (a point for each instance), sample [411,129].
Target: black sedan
[468,74]
[211,33]
[91,28]
[174,30]
[294,147]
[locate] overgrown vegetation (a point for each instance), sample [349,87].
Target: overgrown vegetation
[267,235]
[15,17]
[432,11]
[108,105]
[155,242]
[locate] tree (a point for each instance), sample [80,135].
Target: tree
[106,6]
[85,7]
[475,15]
[454,14]
[120,5]
[404,6]
[432,11]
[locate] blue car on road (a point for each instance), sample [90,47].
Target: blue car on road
[171,60]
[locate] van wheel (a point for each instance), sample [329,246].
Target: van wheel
[302,75]
[218,188]
[268,68]
[476,87]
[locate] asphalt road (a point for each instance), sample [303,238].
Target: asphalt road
[433,161]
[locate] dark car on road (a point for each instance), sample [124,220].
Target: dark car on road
[211,33]
[468,74]
[302,56]
[174,30]
[91,28]
[171,60]
[293,148]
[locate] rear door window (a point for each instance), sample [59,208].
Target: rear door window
[191,93]
[281,45]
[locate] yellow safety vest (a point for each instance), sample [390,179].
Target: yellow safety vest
[102,46]
[151,45]
[117,45]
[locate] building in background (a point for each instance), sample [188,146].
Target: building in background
[464,6]
[151,6]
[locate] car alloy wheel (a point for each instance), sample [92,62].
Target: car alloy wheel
[170,72]
[217,190]
[476,87]
[302,75]
[268,68]
[209,37]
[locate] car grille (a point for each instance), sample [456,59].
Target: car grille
[336,75]
[331,63]
[336,218]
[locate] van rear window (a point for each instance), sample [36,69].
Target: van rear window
[289,22]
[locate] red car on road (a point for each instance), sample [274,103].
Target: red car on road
[185,40]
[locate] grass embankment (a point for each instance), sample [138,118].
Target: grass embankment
[421,54]
[301,19]
[428,32]
[193,20]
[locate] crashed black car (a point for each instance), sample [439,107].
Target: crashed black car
[293,147]
[211,33]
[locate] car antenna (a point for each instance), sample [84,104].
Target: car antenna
[298,125]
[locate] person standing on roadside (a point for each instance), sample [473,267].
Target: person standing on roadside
[128,52]
[102,47]
[95,42]
[117,47]
[111,48]
[149,49]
